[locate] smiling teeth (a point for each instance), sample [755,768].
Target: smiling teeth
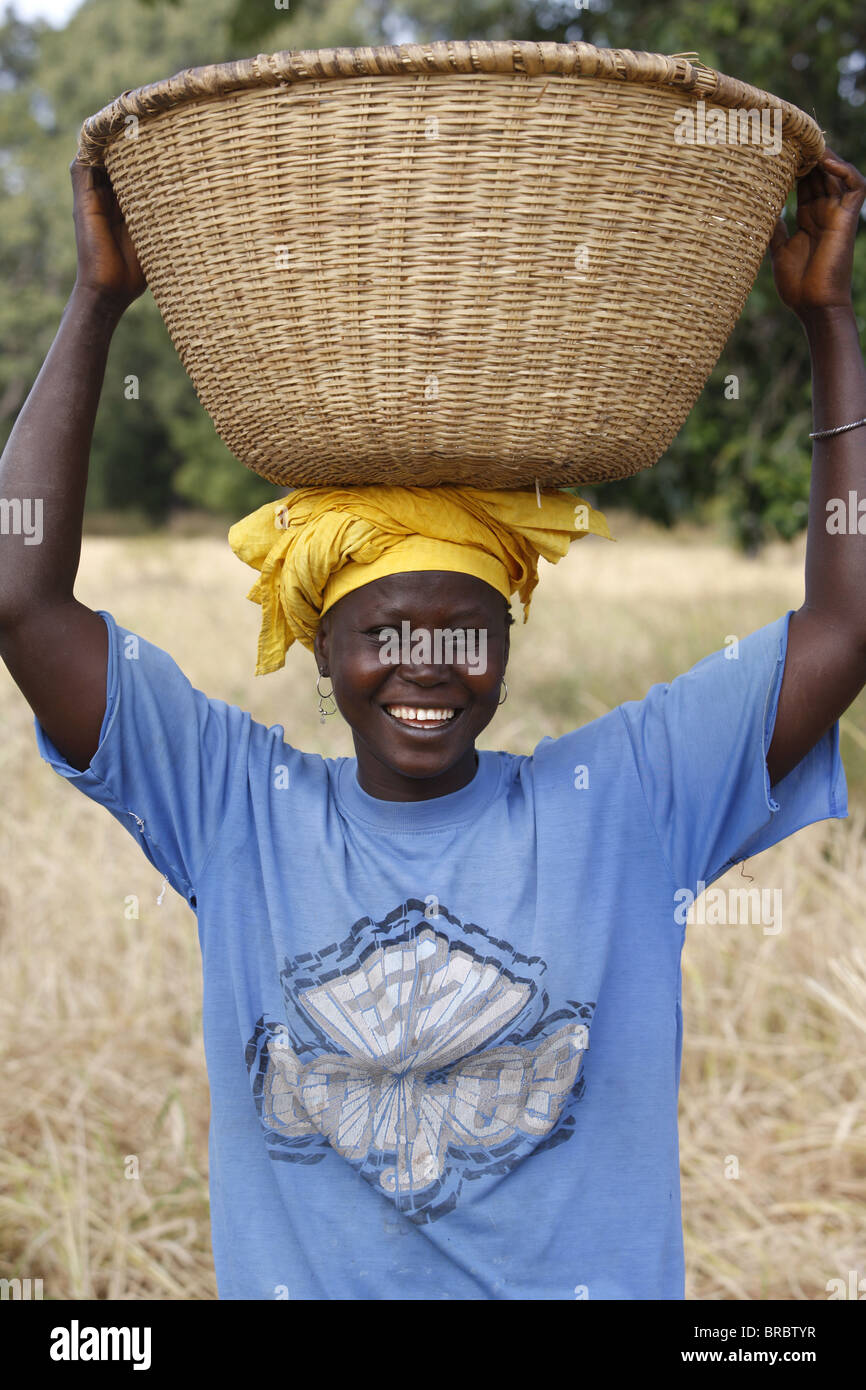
[440,716]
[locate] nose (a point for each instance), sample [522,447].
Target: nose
[425,674]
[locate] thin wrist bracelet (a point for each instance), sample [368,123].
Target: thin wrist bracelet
[840,429]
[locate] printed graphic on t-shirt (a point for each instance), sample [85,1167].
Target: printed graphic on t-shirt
[424,1052]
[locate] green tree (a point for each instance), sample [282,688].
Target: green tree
[154,447]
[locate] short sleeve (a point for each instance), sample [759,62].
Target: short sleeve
[700,744]
[166,760]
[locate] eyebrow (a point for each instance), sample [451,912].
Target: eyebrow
[395,613]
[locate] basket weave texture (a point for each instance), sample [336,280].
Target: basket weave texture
[470,263]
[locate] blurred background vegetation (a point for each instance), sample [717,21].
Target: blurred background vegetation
[745,462]
[774,1068]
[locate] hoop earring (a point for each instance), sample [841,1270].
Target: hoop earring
[505,687]
[325,695]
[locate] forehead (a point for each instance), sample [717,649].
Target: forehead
[437,593]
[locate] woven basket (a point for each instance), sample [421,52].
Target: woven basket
[475,263]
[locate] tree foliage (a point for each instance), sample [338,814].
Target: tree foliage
[746,458]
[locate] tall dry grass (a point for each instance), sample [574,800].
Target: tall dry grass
[100,1011]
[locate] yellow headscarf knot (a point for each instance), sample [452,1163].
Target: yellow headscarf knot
[317,544]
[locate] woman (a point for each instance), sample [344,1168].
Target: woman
[441,988]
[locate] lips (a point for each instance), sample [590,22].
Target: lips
[417,717]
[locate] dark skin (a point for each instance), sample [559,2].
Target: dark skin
[396,763]
[56,647]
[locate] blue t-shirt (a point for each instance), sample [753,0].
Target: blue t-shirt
[443,1037]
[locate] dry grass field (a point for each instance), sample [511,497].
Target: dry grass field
[100,1012]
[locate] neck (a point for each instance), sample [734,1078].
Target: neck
[378,779]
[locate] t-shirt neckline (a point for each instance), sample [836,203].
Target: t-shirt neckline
[438,812]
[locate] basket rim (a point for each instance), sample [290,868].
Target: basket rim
[453,58]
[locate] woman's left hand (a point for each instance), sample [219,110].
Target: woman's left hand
[812,267]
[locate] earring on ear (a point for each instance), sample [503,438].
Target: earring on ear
[325,695]
[505,688]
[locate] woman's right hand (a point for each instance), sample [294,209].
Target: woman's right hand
[107,262]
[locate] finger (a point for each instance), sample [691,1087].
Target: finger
[819,183]
[779,236]
[83,190]
[80,173]
[812,185]
[847,174]
[833,187]
[87,176]
[831,157]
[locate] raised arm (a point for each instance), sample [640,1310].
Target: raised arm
[55,647]
[826,662]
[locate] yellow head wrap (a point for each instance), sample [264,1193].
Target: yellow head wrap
[319,543]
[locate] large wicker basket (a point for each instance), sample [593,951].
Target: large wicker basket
[477,263]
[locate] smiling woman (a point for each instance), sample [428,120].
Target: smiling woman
[414,725]
[441,987]
[384,584]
